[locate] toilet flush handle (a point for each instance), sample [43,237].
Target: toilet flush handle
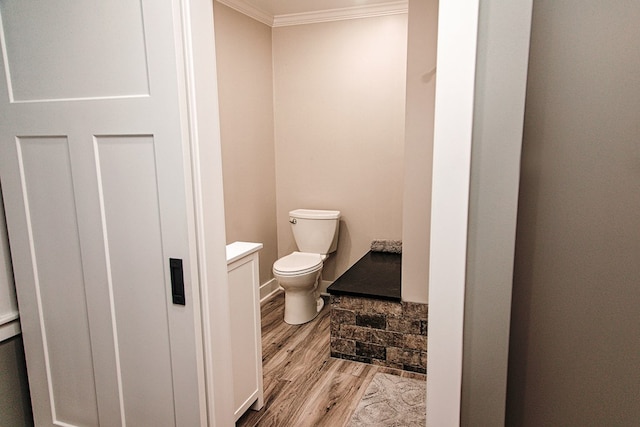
[293,220]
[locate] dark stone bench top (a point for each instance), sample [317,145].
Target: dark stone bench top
[375,275]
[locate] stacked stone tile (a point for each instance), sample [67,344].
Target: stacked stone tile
[379,332]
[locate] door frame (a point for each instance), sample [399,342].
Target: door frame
[479,115]
[460,25]
[202,130]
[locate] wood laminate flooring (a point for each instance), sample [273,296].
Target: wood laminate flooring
[303,385]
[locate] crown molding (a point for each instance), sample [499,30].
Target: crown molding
[383,9]
[355,12]
[251,11]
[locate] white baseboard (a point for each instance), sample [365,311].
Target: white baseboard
[9,326]
[268,289]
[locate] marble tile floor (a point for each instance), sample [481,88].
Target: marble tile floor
[303,385]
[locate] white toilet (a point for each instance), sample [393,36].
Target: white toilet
[316,235]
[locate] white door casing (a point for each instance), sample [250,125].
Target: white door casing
[96,186]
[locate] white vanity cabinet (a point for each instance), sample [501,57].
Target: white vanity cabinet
[246,341]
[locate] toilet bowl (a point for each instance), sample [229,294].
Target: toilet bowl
[299,273]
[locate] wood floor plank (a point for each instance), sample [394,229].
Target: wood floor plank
[304,386]
[333,398]
[310,351]
[272,389]
[286,408]
[297,346]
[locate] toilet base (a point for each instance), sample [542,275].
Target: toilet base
[301,307]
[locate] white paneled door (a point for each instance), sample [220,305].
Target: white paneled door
[95,179]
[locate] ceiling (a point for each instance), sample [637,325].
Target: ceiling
[288,7]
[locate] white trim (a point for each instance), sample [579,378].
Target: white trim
[9,317]
[188,103]
[202,116]
[501,78]
[251,11]
[355,12]
[9,326]
[457,32]
[271,294]
[92,98]
[268,289]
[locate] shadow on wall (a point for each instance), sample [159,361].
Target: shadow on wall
[344,246]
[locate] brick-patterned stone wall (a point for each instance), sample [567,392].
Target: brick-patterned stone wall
[380,332]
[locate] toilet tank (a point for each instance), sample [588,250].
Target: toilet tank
[315,231]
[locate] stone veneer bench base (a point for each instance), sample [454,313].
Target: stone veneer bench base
[380,330]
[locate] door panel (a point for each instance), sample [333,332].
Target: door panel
[132,223]
[76,67]
[56,261]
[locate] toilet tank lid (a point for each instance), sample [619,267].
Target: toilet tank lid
[314,214]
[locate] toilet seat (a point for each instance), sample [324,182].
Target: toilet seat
[297,264]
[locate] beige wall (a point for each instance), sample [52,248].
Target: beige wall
[575,351]
[339,96]
[418,149]
[243,49]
